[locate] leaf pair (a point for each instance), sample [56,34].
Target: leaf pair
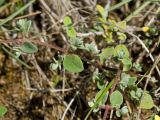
[119,51]
[71,32]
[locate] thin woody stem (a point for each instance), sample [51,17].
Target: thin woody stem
[21,41]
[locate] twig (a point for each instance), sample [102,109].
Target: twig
[40,71]
[49,45]
[73,114]
[153,18]
[64,80]
[138,10]
[50,90]
[27,79]
[153,67]
[48,9]
[119,5]
[146,49]
[38,42]
[29,15]
[88,34]
[69,105]
[50,13]
[111,115]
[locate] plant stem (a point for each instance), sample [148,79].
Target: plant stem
[111,115]
[12,55]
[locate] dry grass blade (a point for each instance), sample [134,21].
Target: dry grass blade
[17,12]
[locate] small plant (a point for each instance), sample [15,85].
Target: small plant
[107,58]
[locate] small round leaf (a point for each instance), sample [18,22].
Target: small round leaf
[73,63]
[116,99]
[121,52]
[71,32]
[67,21]
[29,47]
[146,102]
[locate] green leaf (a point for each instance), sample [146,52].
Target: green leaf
[71,32]
[91,103]
[76,43]
[136,94]
[24,25]
[139,92]
[137,66]
[127,64]
[101,96]
[121,36]
[112,25]
[100,84]
[118,113]
[3,111]
[106,53]
[109,37]
[67,21]
[122,24]
[102,11]
[132,81]
[73,63]
[124,110]
[124,81]
[2,2]
[28,47]
[99,93]
[121,52]
[146,101]
[54,66]
[116,99]
[91,48]
[133,95]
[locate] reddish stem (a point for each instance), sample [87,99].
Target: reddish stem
[107,109]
